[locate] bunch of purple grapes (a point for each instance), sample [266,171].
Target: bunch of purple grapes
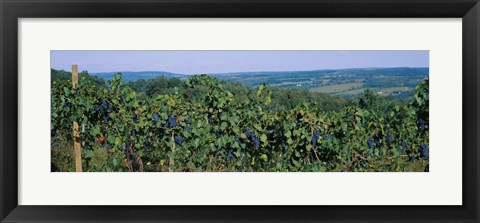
[389,138]
[404,146]
[105,109]
[187,128]
[179,140]
[370,143]
[424,152]
[171,122]
[231,156]
[316,135]
[209,117]
[155,118]
[253,138]
[377,138]
[421,125]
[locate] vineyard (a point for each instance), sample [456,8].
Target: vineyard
[205,127]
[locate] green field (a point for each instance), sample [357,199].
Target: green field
[338,88]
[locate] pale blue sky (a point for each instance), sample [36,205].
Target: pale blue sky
[196,62]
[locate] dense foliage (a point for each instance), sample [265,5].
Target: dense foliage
[282,98]
[205,124]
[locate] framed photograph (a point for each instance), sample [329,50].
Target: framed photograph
[228,111]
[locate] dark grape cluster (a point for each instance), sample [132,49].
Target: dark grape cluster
[412,159]
[258,115]
[377,137]
[248,133]
[56,143]
[179,140]
[127,145]
[404,146]
[316,135]
[389,138]
[370,143]
[187,128]
[134,132]
[155,118]
[253,138]
[104,108]
[230,155]
[171,122]
[53,132]
[421,125]
[424,152]
[209,117]
[256,142]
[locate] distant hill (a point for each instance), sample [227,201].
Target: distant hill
[398,82]
[136,75]
[62,75]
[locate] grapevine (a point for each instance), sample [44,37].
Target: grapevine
[208,128]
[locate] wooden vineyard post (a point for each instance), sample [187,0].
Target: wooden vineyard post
[76,132]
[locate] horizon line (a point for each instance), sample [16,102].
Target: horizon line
[230,72]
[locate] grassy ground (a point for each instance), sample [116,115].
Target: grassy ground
[385,91]
[293,82]
[337,88]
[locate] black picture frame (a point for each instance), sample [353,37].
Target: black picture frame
[12,10]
